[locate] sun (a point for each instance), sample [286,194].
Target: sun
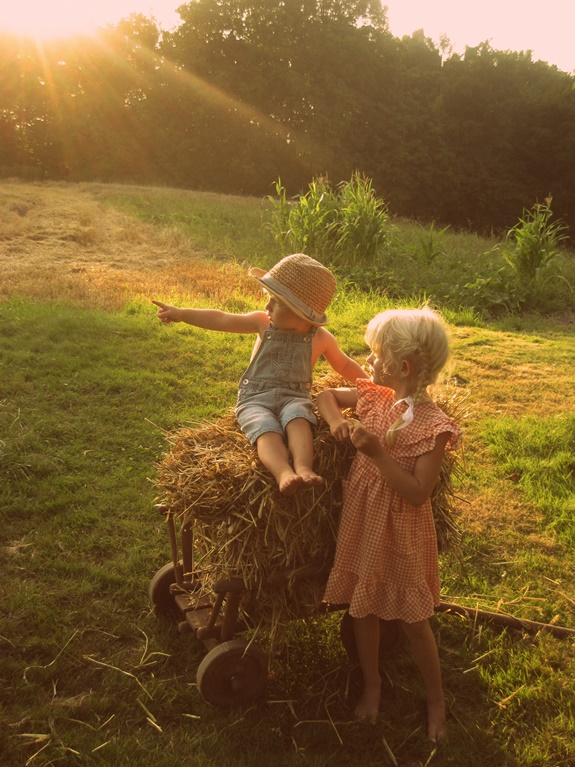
[43,20]
[61,18]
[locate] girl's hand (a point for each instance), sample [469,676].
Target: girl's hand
[365,441]
[341,431]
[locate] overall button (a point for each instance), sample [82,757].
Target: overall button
[268,336]
[306,339]
[245,381]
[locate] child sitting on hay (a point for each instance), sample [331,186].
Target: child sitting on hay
[274,395]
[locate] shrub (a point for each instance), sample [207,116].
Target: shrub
[492,296]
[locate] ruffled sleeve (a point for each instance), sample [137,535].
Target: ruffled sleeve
[419,437]
[370,397]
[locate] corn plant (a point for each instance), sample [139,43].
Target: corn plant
[345,226]
[532,246]
[279,223]
[307,224]
[429,245]
[361,226]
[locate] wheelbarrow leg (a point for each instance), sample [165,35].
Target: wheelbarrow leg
[230,592]
[209,630]
[188,552]
[230,621]
[178,571]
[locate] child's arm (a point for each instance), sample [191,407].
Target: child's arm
[347,367]
[214,319]
[414,488]
[330,403]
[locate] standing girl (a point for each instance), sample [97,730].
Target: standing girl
[386,562]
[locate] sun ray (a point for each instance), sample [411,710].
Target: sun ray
[83,57]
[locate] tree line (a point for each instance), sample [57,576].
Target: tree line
[245,92]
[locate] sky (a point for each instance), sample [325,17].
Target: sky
[545,28]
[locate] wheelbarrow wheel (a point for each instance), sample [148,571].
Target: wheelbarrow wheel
[390,638]
[159,590]
[234,673]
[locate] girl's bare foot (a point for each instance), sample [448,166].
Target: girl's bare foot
[368,705]
[309,477]
[289,483]
[436,723]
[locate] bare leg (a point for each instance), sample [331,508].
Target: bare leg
[300,442]
[367,642]
[273,453]
[424,650]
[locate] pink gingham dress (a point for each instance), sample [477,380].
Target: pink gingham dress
[386,560]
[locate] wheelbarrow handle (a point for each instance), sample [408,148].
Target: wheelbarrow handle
[502,619]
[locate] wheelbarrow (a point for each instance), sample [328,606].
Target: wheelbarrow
[234,671]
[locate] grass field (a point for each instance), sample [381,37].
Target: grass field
[91,386]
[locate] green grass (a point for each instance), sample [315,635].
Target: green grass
[91,677]
[539,454]
[224,227]
[466,271]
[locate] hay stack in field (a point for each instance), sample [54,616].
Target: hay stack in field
[280,547]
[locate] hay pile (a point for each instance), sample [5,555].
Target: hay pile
[280,547]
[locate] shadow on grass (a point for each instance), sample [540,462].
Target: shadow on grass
[307,713]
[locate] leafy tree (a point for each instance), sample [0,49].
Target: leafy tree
[245,91]
[510,124]
[15,106]
[282,72]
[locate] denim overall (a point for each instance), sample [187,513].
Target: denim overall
[276,387]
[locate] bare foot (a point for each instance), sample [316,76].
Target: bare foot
[436,723]
[368,705]
[290,483]
[309,477]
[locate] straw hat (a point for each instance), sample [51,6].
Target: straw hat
[302,283]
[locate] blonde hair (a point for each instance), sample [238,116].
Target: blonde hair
[416,335]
